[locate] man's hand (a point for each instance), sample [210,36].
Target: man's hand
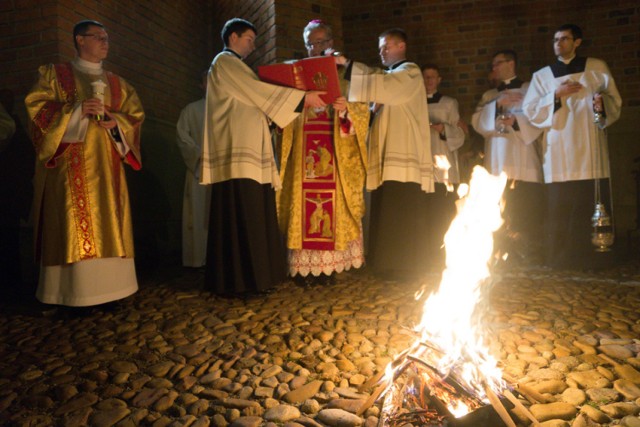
[597,103]
[510,99]
[108,122]
[312,99]
[567,88]
[438,127]
[508,120]
[340,104]
[463,125]
[340,58]
[92,107]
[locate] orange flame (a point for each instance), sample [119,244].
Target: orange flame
[450,336]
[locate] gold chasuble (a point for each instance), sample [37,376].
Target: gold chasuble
[321,204]
[81,200]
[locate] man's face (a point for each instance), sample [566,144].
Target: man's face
[93,44]
[502,67]
[432,80]
[317,41]
[564,44]
[244,43]
[391,50]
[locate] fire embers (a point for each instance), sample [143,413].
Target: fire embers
[416,392]
[448,371]
[413,402]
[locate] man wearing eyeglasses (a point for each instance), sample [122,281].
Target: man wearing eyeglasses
[85,124]
[512,146]
[323,156]
[573,101]
[400,167]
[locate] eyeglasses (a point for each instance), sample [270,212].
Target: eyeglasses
[562,39]
[317,43]
[494,64]
[97,37]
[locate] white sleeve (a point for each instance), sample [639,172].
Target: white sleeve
[539,101]
[453,132]
[77,128]
[189,149]
[390,88]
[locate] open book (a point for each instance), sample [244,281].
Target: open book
[315,73]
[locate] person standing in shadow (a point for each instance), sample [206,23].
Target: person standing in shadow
[16,172]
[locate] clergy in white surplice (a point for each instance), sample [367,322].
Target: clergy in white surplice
[196,198]
[512,146]
[574,100]
[400,167]
[245,251]
[446,138]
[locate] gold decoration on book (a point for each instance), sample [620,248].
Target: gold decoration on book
[320,80]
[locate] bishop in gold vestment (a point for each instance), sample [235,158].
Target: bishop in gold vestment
[83,232]
[339,182]
[323,159]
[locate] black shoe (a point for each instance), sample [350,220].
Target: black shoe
[327,280]
[68,312]
[306,281]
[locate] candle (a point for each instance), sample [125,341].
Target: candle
[98,92]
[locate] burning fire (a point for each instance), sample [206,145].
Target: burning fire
[455,365]
[441,162]
[448,315]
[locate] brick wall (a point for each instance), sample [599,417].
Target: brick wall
[160,46]
[279,25]
[259,13]
[291,18]
[461,35]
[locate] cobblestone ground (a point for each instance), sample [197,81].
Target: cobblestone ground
[176,355]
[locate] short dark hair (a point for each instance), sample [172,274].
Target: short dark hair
[510,54]
[576,31]
[81,28]
[430,66]
[396,33]
[238,26]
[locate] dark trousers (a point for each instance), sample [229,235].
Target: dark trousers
[569,208]
[399,231]
[245,249]
[523,214]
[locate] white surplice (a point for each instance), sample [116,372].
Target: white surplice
[574,147]
[237,139]
[197,198]
[446,112]
[515,153]
[399,139]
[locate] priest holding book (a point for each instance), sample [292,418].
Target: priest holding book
[323,158]
[245,254]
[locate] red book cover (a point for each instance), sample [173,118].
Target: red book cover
[316,73]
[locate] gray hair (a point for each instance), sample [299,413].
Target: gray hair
[317,24]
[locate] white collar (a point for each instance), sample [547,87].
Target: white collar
[566,61]
[87,67]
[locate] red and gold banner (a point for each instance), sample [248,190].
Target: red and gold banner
[318,184]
